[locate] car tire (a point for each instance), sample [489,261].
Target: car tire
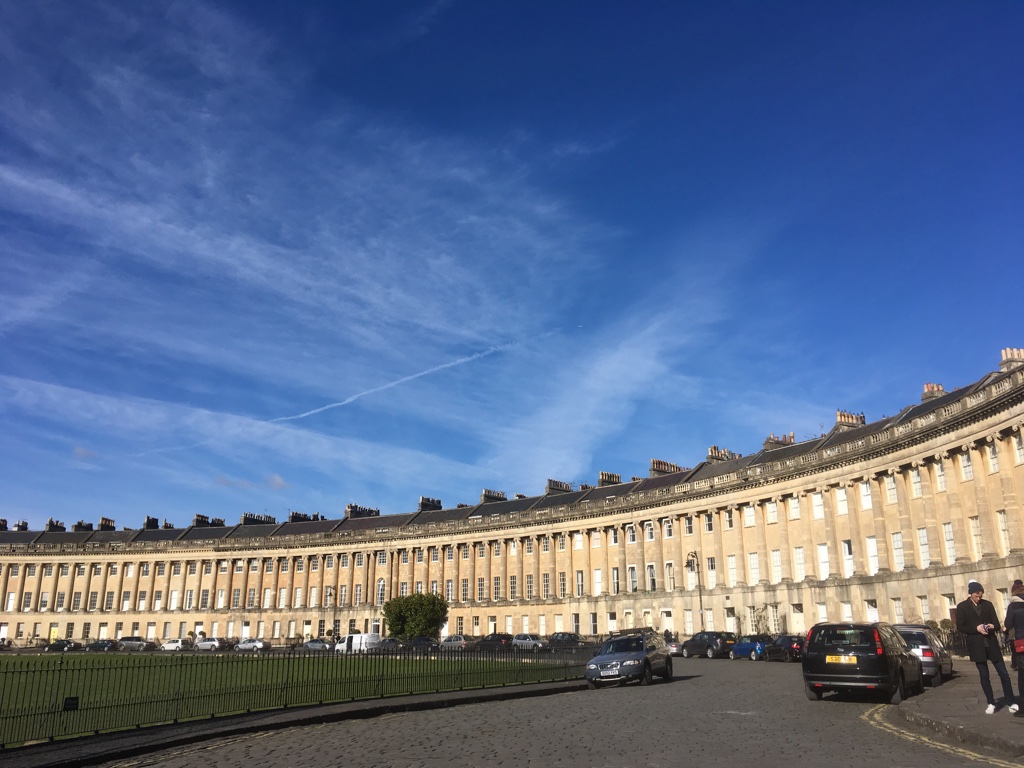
[238,648]
[686,653]
[786,658]
[936,680]
[591,685]
[753,655]
[711,653]
[121,648]
[732,655]
[648,676]
[899,692]
[812,693]
[667,677]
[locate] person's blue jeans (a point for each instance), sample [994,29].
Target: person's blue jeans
[986,682]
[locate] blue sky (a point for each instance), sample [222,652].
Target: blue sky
[261,257]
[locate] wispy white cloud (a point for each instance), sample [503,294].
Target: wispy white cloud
[238,254]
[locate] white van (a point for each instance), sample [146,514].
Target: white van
[364,643]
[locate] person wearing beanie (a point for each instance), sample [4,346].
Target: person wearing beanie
[976,619]
[1014,622]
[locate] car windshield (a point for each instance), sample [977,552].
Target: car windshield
[624,645]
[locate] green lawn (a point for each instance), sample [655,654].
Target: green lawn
[47,697]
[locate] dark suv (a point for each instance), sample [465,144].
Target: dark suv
[566,641]
[710,644]
[630,655]
[860,656]
[496,641]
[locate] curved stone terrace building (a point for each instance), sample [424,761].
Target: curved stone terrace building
[883,520]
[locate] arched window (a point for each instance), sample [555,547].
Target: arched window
[381,590]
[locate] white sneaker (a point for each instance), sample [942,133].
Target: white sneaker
[990,709]
[1013,708]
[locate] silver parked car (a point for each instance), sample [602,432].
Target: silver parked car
[457,643]
[135,644]
[528,641]
[212,644]
[936,660]
[630,655]
[318,644]
[253,644]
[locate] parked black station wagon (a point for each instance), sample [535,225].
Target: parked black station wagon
[860,656]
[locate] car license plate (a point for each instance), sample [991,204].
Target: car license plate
[608,673]
[840,659]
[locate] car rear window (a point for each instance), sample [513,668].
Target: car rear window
[846,636]
[915,638]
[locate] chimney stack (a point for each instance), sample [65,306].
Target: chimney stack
[1012,358]
[932,391]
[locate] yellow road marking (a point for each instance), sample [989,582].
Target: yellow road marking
[874,717]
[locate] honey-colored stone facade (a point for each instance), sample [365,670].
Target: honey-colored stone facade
[887,521]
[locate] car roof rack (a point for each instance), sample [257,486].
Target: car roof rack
[634,631]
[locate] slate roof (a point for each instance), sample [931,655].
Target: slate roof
[618,490]
[158,534]
[112,537]
[63,537]
[207,532]
[18,537]
[253,531]
[307,527]
[428,516]
[373,523]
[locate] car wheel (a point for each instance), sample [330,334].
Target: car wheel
[938,679]
[732,655]
[814,694]
[786,658]
[686,653]
[648,675]
[668,671]
[899,693]
[753,655]
[591,685]
[121,648]
[711,653]
[238,648]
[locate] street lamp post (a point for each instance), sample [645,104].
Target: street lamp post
[329,594]
[693,563]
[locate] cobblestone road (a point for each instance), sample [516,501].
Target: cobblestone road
[715,713]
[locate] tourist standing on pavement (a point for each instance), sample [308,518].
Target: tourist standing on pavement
[1017,596]
[976,619]
[1014,622]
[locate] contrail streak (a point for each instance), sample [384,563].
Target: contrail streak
[395,383]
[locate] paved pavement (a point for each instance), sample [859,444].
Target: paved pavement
[955,709]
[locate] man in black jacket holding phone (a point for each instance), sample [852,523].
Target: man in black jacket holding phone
[976,619]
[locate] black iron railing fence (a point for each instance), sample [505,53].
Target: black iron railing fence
[45,697]
[957,643]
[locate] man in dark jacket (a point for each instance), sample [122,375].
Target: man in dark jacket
[976,619]
[1014,622]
